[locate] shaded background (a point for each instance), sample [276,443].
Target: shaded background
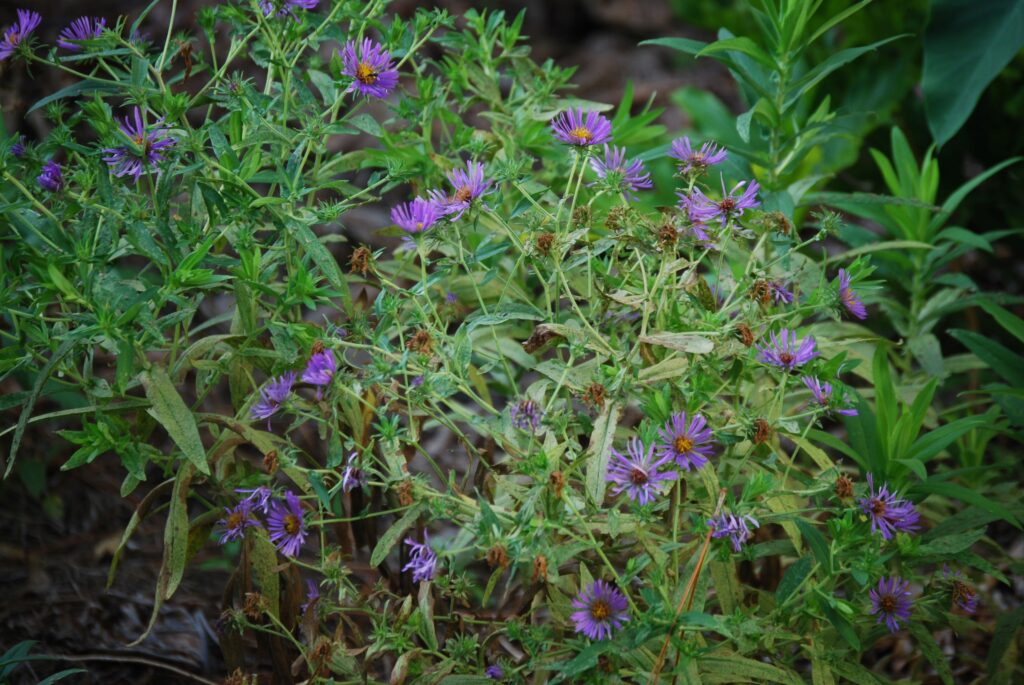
[58,539]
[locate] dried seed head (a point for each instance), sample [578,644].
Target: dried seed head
[762,431]
[761,292]
[594,395]
[616,217]
[544,243]
[540,569]
[405,493]
[557,482]
[239,677]
[497,556]
[317,348]
[270,463]
[420,342]
[581,216]
[746,335]
[360,260]
[254,606]
[320,656]
[777,221]
[844,487]
[667,236]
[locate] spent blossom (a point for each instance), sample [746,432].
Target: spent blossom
[352,476]
[257,498]
[370,68]
[287,525]
[601,609]
[580,128]
[525,415]
[688,442]
[146,150]
[736,528]
[52,177]
[16,33]
[823,396]
[18,149]
[890,600]
[888,512]
[703,209]
[81,29]
[638,473]
[849,298]
[422,559]
[286,7]
[786,352]
[697,161]
[629,176]
[272,396]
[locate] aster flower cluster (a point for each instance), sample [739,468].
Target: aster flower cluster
[600,609]
[18,32]
[285,520]
[81,29]
[146,152]
[467,186]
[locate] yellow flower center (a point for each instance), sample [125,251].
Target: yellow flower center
[582,133]
[600,610]
[366,74]
[683,444]
[292,524]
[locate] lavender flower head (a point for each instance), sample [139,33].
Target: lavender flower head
[16,33]
[236,520]
[732,205]
[272,396]
[961,594]
[287,525]
[369,65]
[312,596]
[778,291]
[601,609]
[416,216]
[688,443]
[582,129]
[628,176]
[146,152]
[286,7]
[889,513]
[637,473]
[81,29]
[52,178]
[468,186]
[258,498]
[525,415]
[18,149]
[737,528]
[352,476]
[422,560]
[494,672]
[849,298]
[891,602]
[320,370]
[822,393]
[696,162]
[785,353]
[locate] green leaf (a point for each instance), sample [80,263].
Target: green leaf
[323,258]
[392,534]
[839,59]
[816,542]
[966,45]
[966,495]
[61,675]
[74,90]
[926,643]
[733,668]
[1007,364]
[684,342]
[739,44]
[599,451]
[171,412]
[933,442]
[957,196]
[950,544]
[1005,632]
[137,516]
[842,626]
[263,558]
[793,578]
[690,47]
[1013,324]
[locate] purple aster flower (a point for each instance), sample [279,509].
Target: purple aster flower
[320,370]
[628,176]
[602,609]
[495,672]
[81,29]
[891,601]
[416,216]
[784,351]
[961,594]
[822,392]
[696,161]
[16,33]
[18,149]
[525,415]
[689,444]
[737,528]
[849,298]
[777,290]
[287,525]
[286,7]
[468,186]
[312,596]
[638,473]
[450,298]
[583,129]
[732,205]
[370,68]
[146,151]
[888,512]
[422,560]
[258,498]
[52,179]
[236,521]
[352,476]
[272,396]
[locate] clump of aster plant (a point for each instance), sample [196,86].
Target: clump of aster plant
[18,32]
[369,66]
[687,440]
[696,161]
[888,513]
[891,602]
[736,528]
[287,525]
[601,609]
[786,351]
[582,129]
[422,559]
[81,29]
[146,150]
[638,473]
